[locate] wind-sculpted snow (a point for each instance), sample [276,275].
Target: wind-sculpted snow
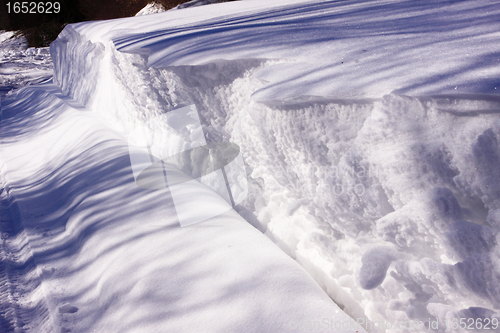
[23,304]
[84,57]
[84,249]
[391,203]
[339,49]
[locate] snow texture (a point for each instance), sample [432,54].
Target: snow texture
[369,130]
[196,3]
[151,8]
[20,65]
[85,249]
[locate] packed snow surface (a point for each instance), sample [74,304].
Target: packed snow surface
[369,130]
[21,65]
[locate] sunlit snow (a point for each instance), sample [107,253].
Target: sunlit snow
[369,132]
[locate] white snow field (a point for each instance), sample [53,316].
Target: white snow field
[369,131]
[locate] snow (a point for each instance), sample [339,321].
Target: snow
[154,7]
[195,3]
[20,65]
[369,133]
[109,256]
[85,249]
[151,8]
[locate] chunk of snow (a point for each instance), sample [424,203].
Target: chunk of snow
[151,8]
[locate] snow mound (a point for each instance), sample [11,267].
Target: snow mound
[372,161]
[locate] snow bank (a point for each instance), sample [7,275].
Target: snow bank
[85,249]
[369,129]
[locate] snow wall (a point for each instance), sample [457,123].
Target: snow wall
[392,205]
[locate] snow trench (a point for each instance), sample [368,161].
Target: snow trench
[392,205]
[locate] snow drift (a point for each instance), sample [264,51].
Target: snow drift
[369,130]
[84,249]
